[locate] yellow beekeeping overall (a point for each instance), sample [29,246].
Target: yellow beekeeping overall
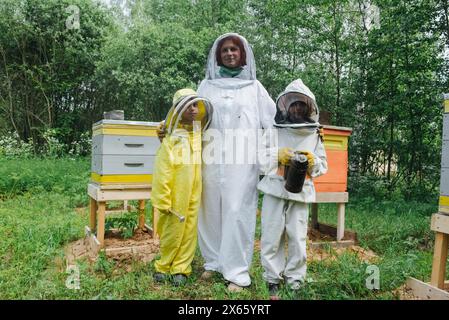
[177,186]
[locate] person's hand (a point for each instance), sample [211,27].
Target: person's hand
[310,157]
[321,133]
[161,131]
[284,155]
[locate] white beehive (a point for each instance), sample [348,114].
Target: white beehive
[123,152]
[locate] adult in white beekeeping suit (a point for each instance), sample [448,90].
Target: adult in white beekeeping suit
[227,217]
[285,205]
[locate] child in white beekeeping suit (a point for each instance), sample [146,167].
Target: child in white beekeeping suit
[285,214]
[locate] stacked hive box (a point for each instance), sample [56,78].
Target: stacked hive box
[336,145]
[444,184]
[123,152]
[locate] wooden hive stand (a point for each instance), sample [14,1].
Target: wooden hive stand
[99,196]
[343,238]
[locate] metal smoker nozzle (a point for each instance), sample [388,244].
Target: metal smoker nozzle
[180,217]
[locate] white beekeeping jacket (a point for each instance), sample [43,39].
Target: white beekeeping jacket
[227,217]
[299,137]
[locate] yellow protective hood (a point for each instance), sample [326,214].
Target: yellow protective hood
[181,101]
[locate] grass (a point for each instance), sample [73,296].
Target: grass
[38,217]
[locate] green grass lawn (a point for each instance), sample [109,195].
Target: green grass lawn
[38,198]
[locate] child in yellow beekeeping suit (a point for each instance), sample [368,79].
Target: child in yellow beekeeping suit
[176,192]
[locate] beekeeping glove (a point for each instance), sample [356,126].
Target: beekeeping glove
[161,131]
[284,155]
[310,158]
[320,132]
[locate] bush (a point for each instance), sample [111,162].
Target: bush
[11,146]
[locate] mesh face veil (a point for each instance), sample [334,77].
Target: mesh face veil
[180,106]
[296,93]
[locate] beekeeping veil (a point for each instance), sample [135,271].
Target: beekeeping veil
[295,91]
[212,68]
[182,100]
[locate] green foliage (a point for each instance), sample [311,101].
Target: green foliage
[36,225]
[102,264]
[46,67]
[384,81]
[67,176]
[11,146]
[125,223]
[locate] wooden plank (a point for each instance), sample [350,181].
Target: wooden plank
[101,194]
[123,195]
[426,291]
[141,214]
[91,242]
[101,222]
[93,213]
[149,230]
[440,223]
[340,221]
[439,260]
[314,215]
[130,249]
[331,197]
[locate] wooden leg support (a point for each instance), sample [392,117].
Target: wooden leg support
[141,214]
[101,222]
[93,214]
[340,221]
[439,260]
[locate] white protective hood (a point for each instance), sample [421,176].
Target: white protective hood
[290,95]
[227,219]
[249,70]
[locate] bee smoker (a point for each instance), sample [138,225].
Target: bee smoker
[295,173]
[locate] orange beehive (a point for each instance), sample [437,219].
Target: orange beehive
[336,145]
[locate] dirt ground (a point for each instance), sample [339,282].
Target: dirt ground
[404,293]
[141,247]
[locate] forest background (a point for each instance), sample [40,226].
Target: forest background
[378,67]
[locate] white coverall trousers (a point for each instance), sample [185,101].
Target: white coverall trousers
[284,221]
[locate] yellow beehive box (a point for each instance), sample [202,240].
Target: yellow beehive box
[336,146]
[123,152]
